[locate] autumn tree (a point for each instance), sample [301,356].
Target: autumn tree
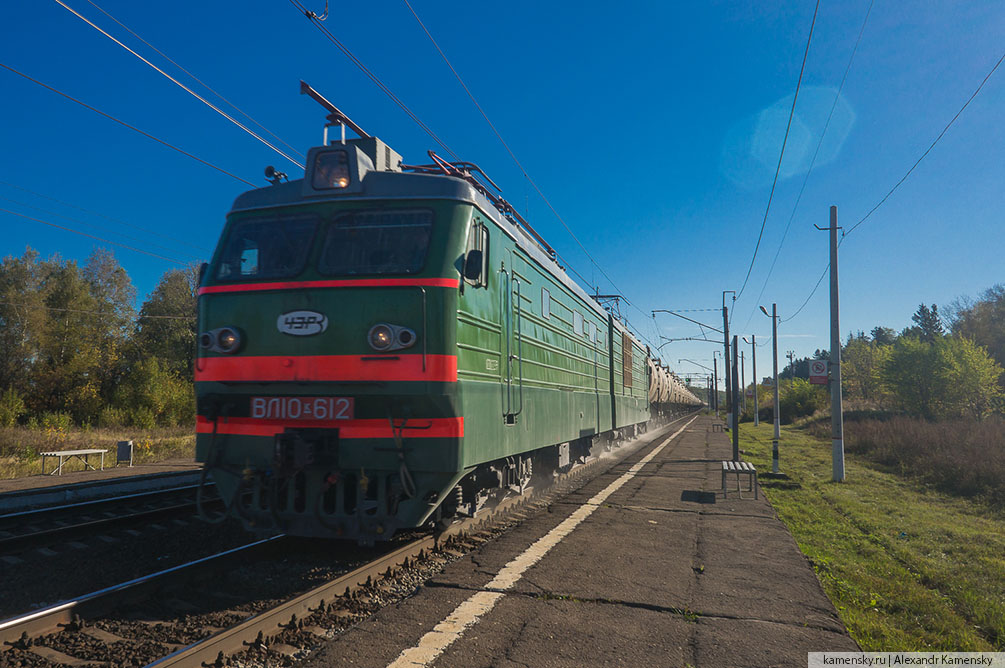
[983,322]
[862,363]
[22,318]
[950,378]
[166,327]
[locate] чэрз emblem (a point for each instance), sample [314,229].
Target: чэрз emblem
[302,323]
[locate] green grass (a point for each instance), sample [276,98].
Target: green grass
[908,569]
[19,446]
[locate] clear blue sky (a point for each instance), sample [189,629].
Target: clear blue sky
[653,128]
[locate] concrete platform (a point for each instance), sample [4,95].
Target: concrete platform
[662,571]
[43,490]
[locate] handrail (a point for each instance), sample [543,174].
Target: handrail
[519,340]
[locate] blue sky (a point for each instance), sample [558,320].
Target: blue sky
[652,127]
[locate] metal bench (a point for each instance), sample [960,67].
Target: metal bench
[740,468]
[66,455]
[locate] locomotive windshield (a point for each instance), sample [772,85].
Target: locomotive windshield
[267,248]
[377,242]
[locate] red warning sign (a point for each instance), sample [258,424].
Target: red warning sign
[818,372]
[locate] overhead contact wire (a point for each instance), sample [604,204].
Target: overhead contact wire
[96,238]
[181,85]
[127,125]
[105,229]
[313,18]
[507,147]
[813,162]
[927,150]
[778,169]
[40,307]
[101,215]
[202,83]
[904,178]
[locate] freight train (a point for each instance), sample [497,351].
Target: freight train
[384,346]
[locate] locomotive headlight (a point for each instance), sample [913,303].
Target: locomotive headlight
[228,340]
[380,337]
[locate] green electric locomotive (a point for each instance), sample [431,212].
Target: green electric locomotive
[382,346]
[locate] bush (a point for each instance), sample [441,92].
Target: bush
[11,407]
[56,421]
[801,399]
[152,393]
[112,418]
[142,418]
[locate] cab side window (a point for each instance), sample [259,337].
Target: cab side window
[476,256]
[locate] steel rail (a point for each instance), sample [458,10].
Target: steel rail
[50,619]
[97,502]
[23,541]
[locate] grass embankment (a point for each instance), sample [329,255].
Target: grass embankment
[908,568]
[19,446]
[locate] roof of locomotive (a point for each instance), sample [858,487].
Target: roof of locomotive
[397,185]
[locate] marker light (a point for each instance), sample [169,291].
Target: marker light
[207,340]
[380,337]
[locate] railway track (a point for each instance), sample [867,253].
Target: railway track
[129,625]
[52,525]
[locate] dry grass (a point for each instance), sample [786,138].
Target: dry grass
[963,458]
[19,447]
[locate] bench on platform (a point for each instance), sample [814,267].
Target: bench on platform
[66,455]
[740,468]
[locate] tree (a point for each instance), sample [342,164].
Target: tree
[950,378]
[167,322]
[928,323]
[983,322]
[861,370]
[66,373]
[910,373]
[113,294]
[971,379]
[22,318]
[883,336]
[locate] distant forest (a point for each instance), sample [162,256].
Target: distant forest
[946,366]
[74,351]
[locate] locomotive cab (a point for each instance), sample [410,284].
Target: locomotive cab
[326,371]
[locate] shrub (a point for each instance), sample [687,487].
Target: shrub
[56,421]
[11,407]
[142,418]
[801,399]
[112,418]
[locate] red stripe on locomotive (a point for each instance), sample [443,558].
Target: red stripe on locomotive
[414,428]
[439,368]
[344,283]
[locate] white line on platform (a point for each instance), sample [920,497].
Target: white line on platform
[469,613]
